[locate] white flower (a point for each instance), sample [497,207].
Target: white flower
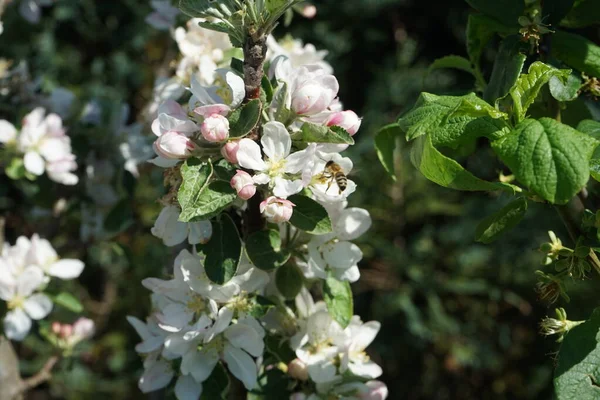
[276,210]
[334,252]
[325,187]
[174,145]
[163,16]
[47,148]
[8,132]
[215,128]
[228,89]
[173,118]
[164,89]
[172,231]
[358,337]
[297,53]
[43,255]
[277,145]
[345,119]
[23,304]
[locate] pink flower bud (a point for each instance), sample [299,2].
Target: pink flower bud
[173,145]
[83,328]
[277,210]
[345,119]
[56,327]
[243,184]
[229,151]
[208,110]
[298,370]
[377,390]
[309,11]
[66,331]
[215,128]
[314,91]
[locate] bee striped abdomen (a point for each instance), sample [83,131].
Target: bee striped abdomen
[341,181]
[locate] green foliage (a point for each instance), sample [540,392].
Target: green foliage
[577,52]
[480,30]
[210,201]
[216,387]
[264,248]
[68,301]
[507,67]
[553,11]
[243,120]
[578,370]
[490,228]
[289,280]
[195,175]
[223,251]
[313,133]
[551,158]
[119,218]
[505,11]
[385,145]
[565,91]
[338,297]
[583,13]
[309,215]
[452,61]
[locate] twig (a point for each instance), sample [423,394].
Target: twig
[42,375]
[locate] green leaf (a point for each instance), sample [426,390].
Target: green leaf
[553,11]
[452,120]
[283,113]
[223,251]
[275,5]
[237,65]
[565,91]
[195,175]
[507,67]
[583,13]
[211,200]
[265,251]
[528,86]
[279,347]
[267,88]
[445,171]
[590,127]
[313,133]
[204,8]
[385,145]
[505,11]
[595,169]
[309,215]
[289,280]
[501,221]
[243,120]
[480,30]
[260,306]
[338,297]
[451,61]
[68,301]
[216,387]
[577,375]
[551,158]
[577,52]
[119,218]
[15,170]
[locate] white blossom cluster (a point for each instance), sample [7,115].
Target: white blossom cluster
[197,325]
[43,144]
[26,268]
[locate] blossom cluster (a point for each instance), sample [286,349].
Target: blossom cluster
[26,269]
[43,145]
[280,153]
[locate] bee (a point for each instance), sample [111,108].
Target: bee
[333,172]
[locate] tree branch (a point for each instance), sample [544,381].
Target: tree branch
[42,375]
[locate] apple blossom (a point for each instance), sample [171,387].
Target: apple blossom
[345,119]
[229,151]
[215,128]
[276,210]
[243,184]
[174,145]
[228,89]
[172,231]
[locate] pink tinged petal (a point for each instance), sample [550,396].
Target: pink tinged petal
[208,110]
[241,365]
[187,388]
[34,163]
[8,132]
[200,232]
[16,324]
[173,145]
[156,377]
[352,223]
[276,140]
[37,306]
[229,151]
[199,364]
[246,338]
[366,370]
[66,269]
[31,279]
[249,155]
[215,128]
[377,391]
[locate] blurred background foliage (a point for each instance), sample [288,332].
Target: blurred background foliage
[460,319]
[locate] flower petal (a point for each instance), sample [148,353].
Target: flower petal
[249,155]
[8,132]
[199,364]
[199,232]
[276,141]
[156,377]
[34,163]
[66,269]
[187,388]
[366,370]
[241,365]
[352,223]
[38,306]
[16,324]
[29,280]
[284,188]
[244,337]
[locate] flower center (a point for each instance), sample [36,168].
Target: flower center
[16,302]
[196,304]
[276,167]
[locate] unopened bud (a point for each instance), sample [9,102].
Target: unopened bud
[276,210]
[56,327]
[345,119]
[243,184]
[66,331]
[298,370]
[377,390]
[215,128]
[229,151]
[174,145]
[83,328]
[309,11]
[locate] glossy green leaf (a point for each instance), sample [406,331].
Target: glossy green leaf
[590,127]
[480,30]
[501,221]
[528,86]
[577,375]
[309,215]
[289,280]
[204,8]
[565,91]
[452,120]
[210,201]
[553,11]
[264,248]
[237,65]
[223,251]
[338,297]
[445,171]
[385,146]
[315,133]
[577,52]
[216,387]
[451,61]
[507,67]
[583,13]
[505,11]
[243,120]
[551,158]
[195,176]
[68,301]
